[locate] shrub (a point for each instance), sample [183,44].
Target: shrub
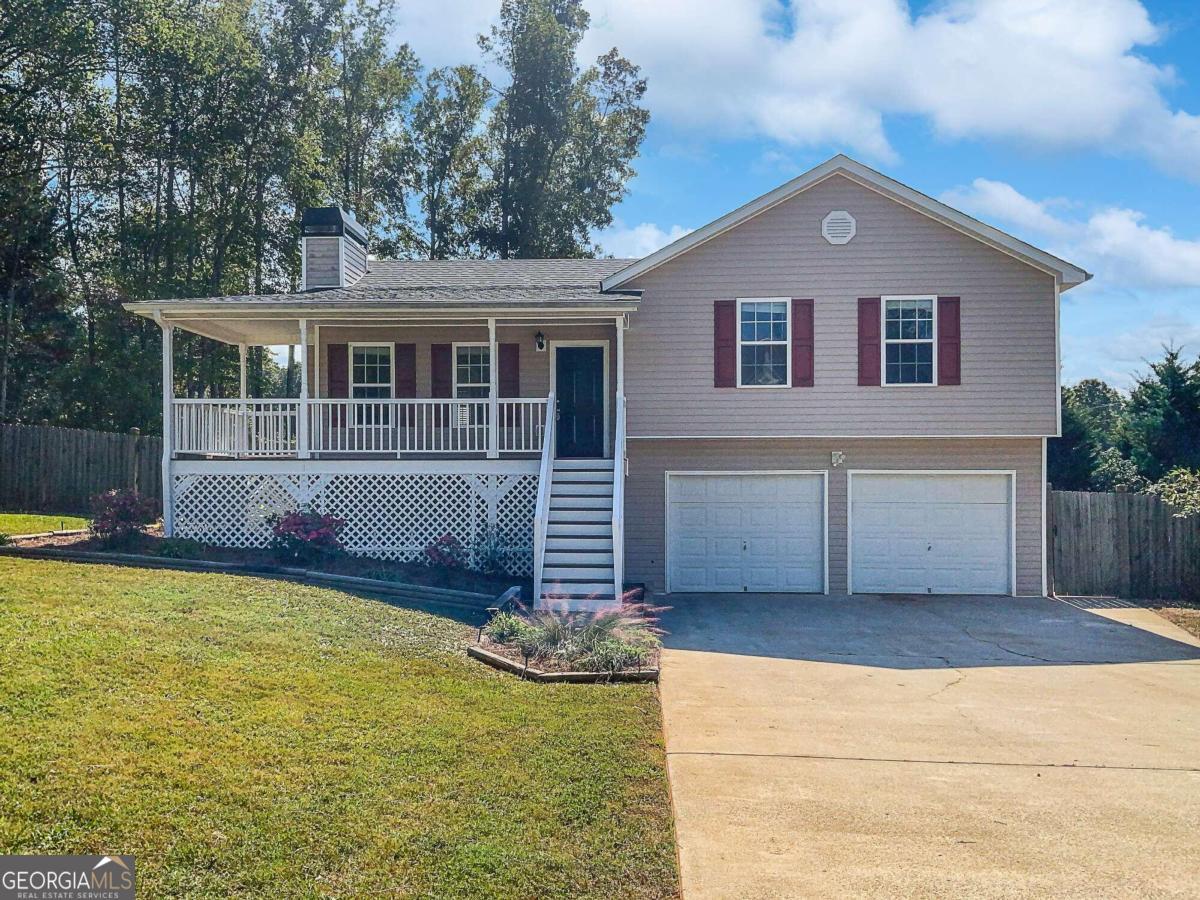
[181,548]
[490,552]
[1180,489]
[446,552]
[504,627]
[305,535]
[5,539]
[118,515]
[607,640]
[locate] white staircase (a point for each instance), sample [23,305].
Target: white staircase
[578,559]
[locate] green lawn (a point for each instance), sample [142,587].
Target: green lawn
[248,737]
[31,523]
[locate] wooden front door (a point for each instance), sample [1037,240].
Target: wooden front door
[579,391]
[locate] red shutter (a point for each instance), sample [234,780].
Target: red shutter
[406,370]
[441,372]
[802,343]
[724,343]
[510,370]
[338,362]
[868,340]
[949,341]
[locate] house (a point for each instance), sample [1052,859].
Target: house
[844,386]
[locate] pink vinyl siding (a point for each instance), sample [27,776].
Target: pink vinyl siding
[1007,327]
[649,460]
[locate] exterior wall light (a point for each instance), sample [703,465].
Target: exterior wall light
[539,342]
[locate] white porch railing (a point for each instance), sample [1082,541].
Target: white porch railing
[236,427]
[541,511]
[618,509]
[272,427]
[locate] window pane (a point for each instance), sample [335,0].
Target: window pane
[471,368]
[764,365]
[909,364]
[372,366]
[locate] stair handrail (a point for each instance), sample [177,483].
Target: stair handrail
[618,507]
[541,514]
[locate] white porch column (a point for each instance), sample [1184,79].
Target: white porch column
[242,371]
[302,407]
[620,321]
[493,390]
[168,423]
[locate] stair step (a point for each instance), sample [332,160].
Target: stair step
[591,558]
[579,489]
[579,516]
[600,529]
[576,573]
[578,476]
[578,589]
[578,542]
[562,464]
[581,503]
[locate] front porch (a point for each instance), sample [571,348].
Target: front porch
[411,428]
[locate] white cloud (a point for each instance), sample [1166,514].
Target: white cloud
[1051,74]
[1114,243]
[1119,356]
[1046,73]
[625,242]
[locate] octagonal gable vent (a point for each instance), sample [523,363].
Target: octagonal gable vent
[838,227]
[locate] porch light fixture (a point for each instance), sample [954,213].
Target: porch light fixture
[539,342]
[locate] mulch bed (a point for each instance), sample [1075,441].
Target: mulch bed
[510,659]
[150,543]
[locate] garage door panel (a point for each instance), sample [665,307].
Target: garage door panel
[759,533]
[934,533]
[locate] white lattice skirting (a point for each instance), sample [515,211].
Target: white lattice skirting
[389,514]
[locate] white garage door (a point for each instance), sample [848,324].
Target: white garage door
[930,534]
[745,532]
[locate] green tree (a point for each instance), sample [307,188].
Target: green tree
[1099,408]
[1162,427]
[1071,457]
[561,141]
[442,163]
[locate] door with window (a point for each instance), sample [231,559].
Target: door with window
[580,394]
[371,380]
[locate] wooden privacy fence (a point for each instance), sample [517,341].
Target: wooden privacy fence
[1121,545]
[45,469]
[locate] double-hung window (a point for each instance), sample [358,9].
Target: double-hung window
[908,340]
[472,380]
[764,341]
[371,379]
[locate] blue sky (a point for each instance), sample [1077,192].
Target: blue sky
[1074,124]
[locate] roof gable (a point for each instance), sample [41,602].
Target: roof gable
[1068,275]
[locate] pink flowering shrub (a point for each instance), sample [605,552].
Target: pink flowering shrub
[119,515]
[304,535]
[447,552]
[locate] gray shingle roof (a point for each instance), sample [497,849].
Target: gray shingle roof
[460,281]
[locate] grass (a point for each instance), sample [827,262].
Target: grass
[244,737]
[30,523]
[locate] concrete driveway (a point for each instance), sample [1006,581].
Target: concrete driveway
[931,747]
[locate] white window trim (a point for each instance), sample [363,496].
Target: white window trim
[454,367]
[391,349]
[787,305]
[883,340]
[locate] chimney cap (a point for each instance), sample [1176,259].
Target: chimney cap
[331,221]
